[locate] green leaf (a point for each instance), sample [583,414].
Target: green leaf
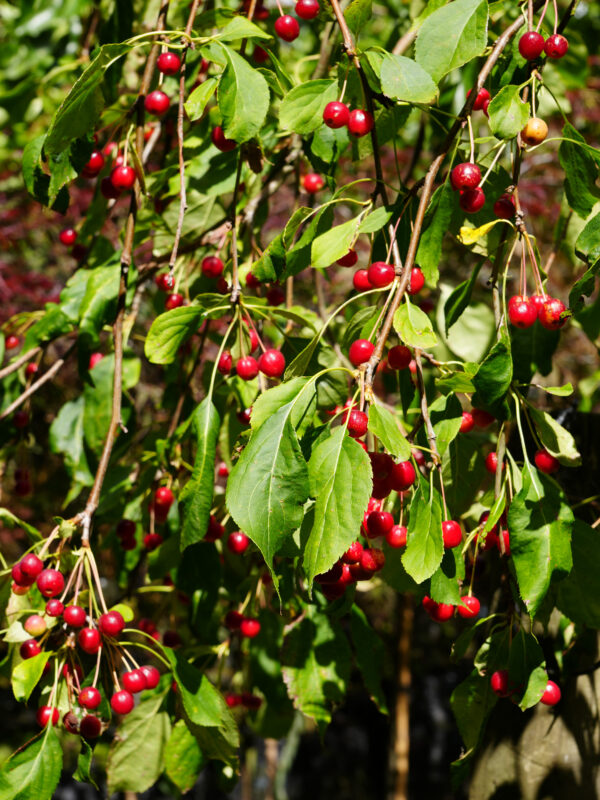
[559,391]
[340,478]
[587,245]
[243,97]
[241,28]
[584,286]
[273,399]
[184,760]
[198,493]
[578,596]
[436,224]
[268,486]
[315,661]
[301,110]
[358,14]
[452,36]
[79,112]
[532,351]
[446,418]
[97,400]
[525,668]
[424,546]
[334,243]
[369,652]
[508,114]
[26,675]
[581,172]
[460,298]
[12,521]
[360,326]
[405,79]
[494,376]
[556,439]
[471,703]
[169,331]
[37,180]
[147,730]
[84,765]
[98,305]
[200,97]
[375,221]
[540,537]
[444,581]
[66,438]
[414,327]
[33,772]
[383,425]
[208,716]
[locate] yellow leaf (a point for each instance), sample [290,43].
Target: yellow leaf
[471,235]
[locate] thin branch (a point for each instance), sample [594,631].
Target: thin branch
[22,359]
[36,385]
[235,277]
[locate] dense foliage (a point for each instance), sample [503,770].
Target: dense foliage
[295,317]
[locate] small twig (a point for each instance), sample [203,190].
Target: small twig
[235,277]
[22,359]
[36,385]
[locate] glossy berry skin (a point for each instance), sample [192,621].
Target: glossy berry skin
[168,63]
[307,9]
[252,281]
[95,358]
[552,694]
[35,625]
[439,612]
[46,715]
[50,582]
[238,543]
[361,280]
[465,176]
[381,274]
[19,577]
[467,423]
[402,476]
[272,363]
[287,28]
[89,640]
[451,533]
[379,523]
[531,45]
[416,281]
[556,47]
[157,103]
[54,608]
[94,165]
[358,423]
[11,342]
[165,282]
[336,114]
[360,122]
[491,462]
[31,565]
[68,237]
[249,627]
[472,200]
[360,351]
[397,536]
[122,702]
[134,681]
[504,207]
[122,178]
[164,497]
[500,683]
[482,418]
[483,97]
[220,141]
[174,300]
[349,260]
[151,542]
[89,698]
[353,553]
[90,727]
[111,623]
[545,462]
[108,189]
[468,607]
[75,616]
[399,357]
[212,267]
[313,182]
[225,363]
[247,368]
[521,311]
[372,560]
[29,649]
[534,132]
[126,527]
[233,620]
[550,313]
[152,676]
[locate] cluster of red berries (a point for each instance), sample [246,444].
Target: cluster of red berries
[287,28]
[468,608]
[503,687]
[497,537]
[337,115]
[246,699]
[271,363]
[249,627]
[523,311]
[465,178]
[357,564]
[532,44]
[380,275]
